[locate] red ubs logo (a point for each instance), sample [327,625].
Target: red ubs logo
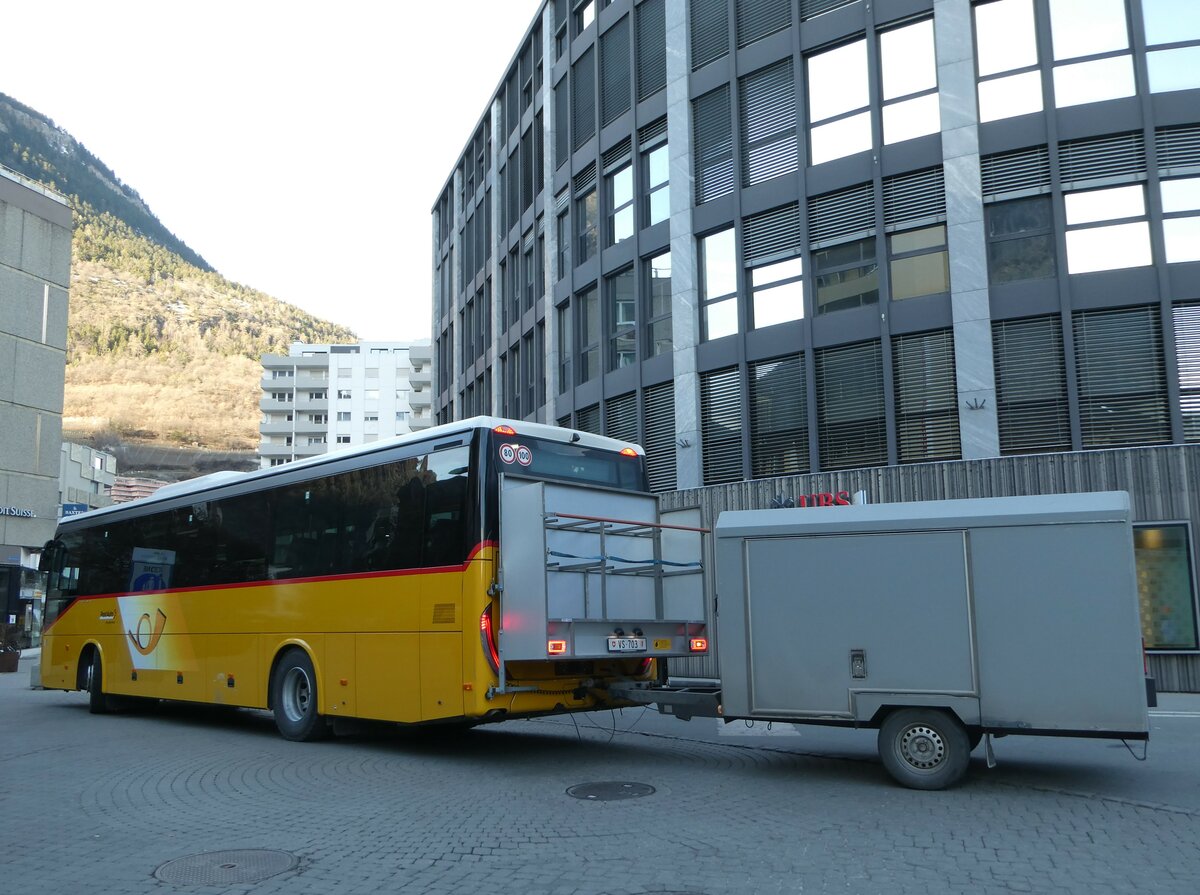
[147,633]
[820,499]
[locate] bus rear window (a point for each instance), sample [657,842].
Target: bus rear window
[545,459]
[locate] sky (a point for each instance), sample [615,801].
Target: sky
[257,130]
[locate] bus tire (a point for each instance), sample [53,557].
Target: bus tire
[294,699]
[924,748]
[98,703]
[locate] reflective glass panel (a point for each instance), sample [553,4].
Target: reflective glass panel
[1105,205]
[1019,216]
[623,224]
[1181,195]
[773,273]
[837,81]
[720,319]
[847,289]
[911,118]
[1008,97]
[660,205]
[720,269]
[1091,82]
[622,187]
[656,166]
[1177,69]
[907,61]
[1108,248]
[915,240]
[778,304]
[1005,36]
[1086,27]
[927,274]
[1031,258]
[840,138]
[1182,238]
[660,285]
[1171,21]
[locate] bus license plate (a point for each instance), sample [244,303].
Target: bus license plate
[627,644]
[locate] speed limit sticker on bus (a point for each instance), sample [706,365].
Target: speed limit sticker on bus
[524,455]
[508,453]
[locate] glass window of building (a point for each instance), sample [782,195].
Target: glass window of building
[343,416]
[563,320]
[620,205]
[838,102]
[846,276]
[658,311]
[1103,232]
[585,14]
[622,316]
[909,75]
[919,263]
[563,235]
[1006,45]
[1091,51]
[718,285]
[1020,240]
[587,218]
[777,292]
[343,439]
[343,394]
[588,304]
[1181,218]
[1166,589]
[1172,22]
[658,187]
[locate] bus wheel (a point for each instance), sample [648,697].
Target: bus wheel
[97,702]
[294,699]
[924,748]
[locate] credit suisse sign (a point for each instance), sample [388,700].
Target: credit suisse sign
[16,511]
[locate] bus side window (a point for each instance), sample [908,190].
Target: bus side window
[445,533]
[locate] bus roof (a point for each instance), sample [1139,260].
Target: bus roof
[212,481]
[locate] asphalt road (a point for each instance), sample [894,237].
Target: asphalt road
[100,803]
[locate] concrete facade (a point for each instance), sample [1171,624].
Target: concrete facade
[86,476]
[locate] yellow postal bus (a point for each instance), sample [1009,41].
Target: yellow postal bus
[363,583]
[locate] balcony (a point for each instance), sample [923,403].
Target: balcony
[418,422]
[270,382]
[270,405]
[422,397]
[280,428]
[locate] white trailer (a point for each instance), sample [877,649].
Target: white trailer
[940,623]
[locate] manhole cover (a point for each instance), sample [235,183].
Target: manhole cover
[222,868]
[609,792]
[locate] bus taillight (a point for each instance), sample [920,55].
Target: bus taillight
[487,638]
[556,647]
[628,452]
[505,430]
[699,644]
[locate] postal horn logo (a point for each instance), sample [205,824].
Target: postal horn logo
[147,633]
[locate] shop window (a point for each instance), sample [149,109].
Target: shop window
[1103,232]
[718,285]
[920,264]
[838,102]
[1020,240]
[1006,54]
[1086,35]
[846,276]
[1166,588]
[1181,218]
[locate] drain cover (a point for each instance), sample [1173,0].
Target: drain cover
[609,792]
[221,868]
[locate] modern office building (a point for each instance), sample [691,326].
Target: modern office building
[317,397]
[35,274]
[920,248]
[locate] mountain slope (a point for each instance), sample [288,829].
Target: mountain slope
[159,345]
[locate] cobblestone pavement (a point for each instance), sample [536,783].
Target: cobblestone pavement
[97,803]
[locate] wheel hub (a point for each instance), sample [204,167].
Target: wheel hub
[922,747]
[297,694]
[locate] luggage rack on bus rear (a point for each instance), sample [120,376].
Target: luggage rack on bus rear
[608,580]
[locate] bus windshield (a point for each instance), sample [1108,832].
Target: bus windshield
[545,459]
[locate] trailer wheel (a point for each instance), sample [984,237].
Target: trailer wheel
[924,748]
[294,699]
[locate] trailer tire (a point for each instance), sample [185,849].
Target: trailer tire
[294,699]
[924,748]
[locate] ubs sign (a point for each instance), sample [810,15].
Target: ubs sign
[819,499]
